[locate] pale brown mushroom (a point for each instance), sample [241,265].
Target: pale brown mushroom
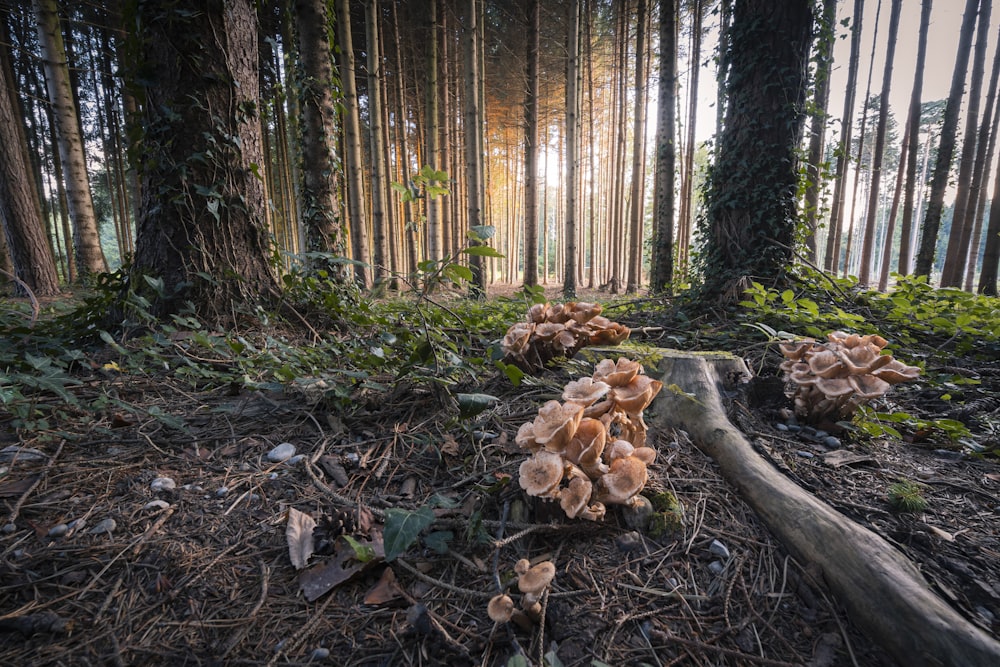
[623,482]
[586,447]
[533,580]
[896,371]
[635,396]
[585,391]
[556,423]
[541,473]
[500,608]
[574,498]
[525,437]
[617,374]
[584,311]
[538,312]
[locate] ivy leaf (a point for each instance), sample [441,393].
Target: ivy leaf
[403,527]
[363,553]
[438,540]
[470,405]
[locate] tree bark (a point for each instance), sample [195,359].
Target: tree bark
[637,208]
[473,140]
[23,230]
[431,133]
[572,148]
[200,228]
[666,152]
[686,216]
[818,117]
[882,590]
[86,236]
[531,149]
[379,171]
[320,172]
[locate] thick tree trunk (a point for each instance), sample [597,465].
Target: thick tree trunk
[431,152]
[19,212]
[200,228]
[86,237]
[686,215]
[882,590]
[353,153]
[666,152]
[320,173]
[817,117]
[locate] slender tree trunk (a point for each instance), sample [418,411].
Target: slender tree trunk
[572,148]
[957,251]
[897,191]
[832,256]
[431,150]
[991,120]
[409,224]
[725,19]
[867,246]
[86,236]
[531,150]
[473,140]
[913,129]
[379,172]
[23,230]
[946,149]
[690,143]
[320,213]
[818,117]
[666,152]
[637,209]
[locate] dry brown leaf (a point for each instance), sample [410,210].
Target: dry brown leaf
[343,566]
[385,591]
[299,534]
[450,446]
[14,488]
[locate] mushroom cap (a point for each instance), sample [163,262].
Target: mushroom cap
[588,443]
[574,499]
[565,340]
[594,512]
[538,312]
[549,330]
[532,580]
[525,437]
[645,454]
[560,312]
[515,341]
[585,391]
[868,386]
[637,394]
[613,334]
[834,387]
[556,424]
[826,364]
[584,311]
[617,374]
[500,608]
[541,473]
[794,350]
[896,371]
[619,449]
[623,481]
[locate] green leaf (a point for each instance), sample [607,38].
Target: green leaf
[470,405]
[438,540]
[402,528]
[457,272]
[513,373]
[481,232]
[482,251]
[363,553]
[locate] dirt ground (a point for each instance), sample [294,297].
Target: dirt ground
[200,574]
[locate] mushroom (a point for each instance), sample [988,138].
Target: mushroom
[617,374]
[584,311]
[538,312]
[533,580]
[500,608]
[556,423]
[623,482]
[585,391]
[541,474]
[525,437]
[637,394]
[586,447]
[575,499]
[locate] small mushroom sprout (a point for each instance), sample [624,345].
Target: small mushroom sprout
[829,380]
[590,450]
[558,330]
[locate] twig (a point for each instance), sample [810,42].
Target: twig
[24,496]
[293,642]
[35,307]
[483,595]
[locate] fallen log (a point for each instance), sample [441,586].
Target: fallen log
[883,591]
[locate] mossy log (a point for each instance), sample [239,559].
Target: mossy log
[883,591]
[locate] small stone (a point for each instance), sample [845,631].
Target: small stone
[163,484]
[794,428]
[272,476]
[717,548]
[18,553]
[352,458]
[801,453]
[282,452]
[808,431]
[76,525]
[21,454]
[295,460]
[781,427]
[948,454]
[58,530]
[820,434]
[221,492]
[629,542]
[716,567]
[832,442]
[9,528]
[107,526]
[156,505]
[320,654]
[638,515]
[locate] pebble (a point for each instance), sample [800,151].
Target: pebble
[163,484]
[638,515]
[716,567]
[282,452]
[107,526]
[22,454]
[804,454]
[794,428]
[77,524]
[948,454]
[352,458]
[156,505]
[58,530]
[820,434]
[717,548]
[627,542]
[320,654]
[221,492]
[295,460]
[781,427]
[832,442]
[9,528]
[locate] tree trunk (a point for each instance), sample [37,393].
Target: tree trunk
[531,150]
[867,246]
[353,160]
[913,129]
[412,238]
[86,236]
[379,172]
[973,143]
[991,121]
[431,152]
[663,229]
[473,140]
[751,198]
[572,148]
[818,117]
[686,221]
[200,227]
[831,258]
[636,207]
[905,149]
[23,230]
[320,173]
[946,149]
[881,589]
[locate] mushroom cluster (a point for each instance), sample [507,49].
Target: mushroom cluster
[532,580]
[590,450]
[558,330]
[831,379]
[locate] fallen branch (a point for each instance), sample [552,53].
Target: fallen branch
[883,591]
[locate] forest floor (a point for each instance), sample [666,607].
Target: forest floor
[203,577]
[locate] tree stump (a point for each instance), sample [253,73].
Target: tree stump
[882,590]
